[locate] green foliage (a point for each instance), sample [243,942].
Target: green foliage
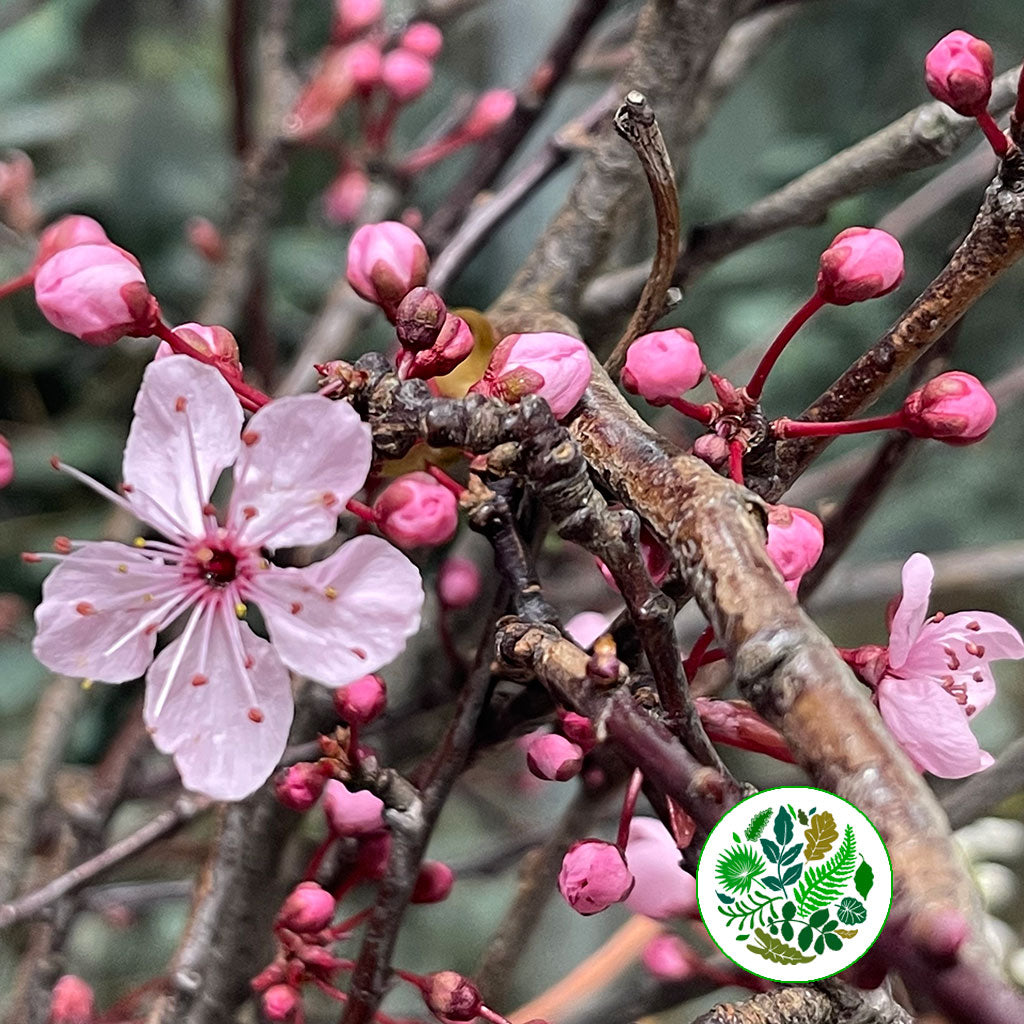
[744,912]
[758,824]
[738,867]
[851,911]
[783,827]
[821,836]
[824,884]
[776,950]
[864,879]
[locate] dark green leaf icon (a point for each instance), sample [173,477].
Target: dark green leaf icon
[791,854]
[757,824]
[772,883]
[789,911]
[740,938]
[783,827]
[787,930]
[819,944]
[792,874]
[830,926]
[736,837]
[801,817]
[818,918]
[833,941]
[851,911]
[864,879]
[771,851]
[776,950]
[725,899]
[804,938]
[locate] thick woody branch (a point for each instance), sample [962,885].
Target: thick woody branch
[829,1003]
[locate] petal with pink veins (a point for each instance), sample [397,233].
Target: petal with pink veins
[203,714]
[931,727]
[350,614]
[94,599]
[303,458]
[910,615]
[183,436]
[990,631]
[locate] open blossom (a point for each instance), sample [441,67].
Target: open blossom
[663,889]
[935,675]
[218,698]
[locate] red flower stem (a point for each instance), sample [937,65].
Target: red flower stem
[712,656]
[693,660]
[349,882]
[736,461]
[338,931]
[998,140]
[702,413]
[443,478]
[328,990]
[784,428]
[250,397]
[769,359]
[17,283]
[353,744]
[318,858]
[636,780]
[363,511]
[430,154]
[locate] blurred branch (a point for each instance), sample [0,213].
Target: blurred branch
[830,1003]
[238,75]
[985,791]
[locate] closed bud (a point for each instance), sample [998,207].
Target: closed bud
[450,996]
[214,341]
[454,343]
[354,17]
[416,510]
[712,449]
[553,757]
[859,264]
[663,365]
[579,729]
[307,910]
[458,582]
[433,883]
[423,38]
[406,75]
[204,236]
[594,876]
[795,542]
[299,786]
[668,958]
[345,197]
[489,113]
[361,701]
[71,1001]
[282,1003]
[419,318]
[958,72]
[954,408]
[75,229]
[385,262]
[352,814]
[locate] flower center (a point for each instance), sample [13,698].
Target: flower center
[220,568]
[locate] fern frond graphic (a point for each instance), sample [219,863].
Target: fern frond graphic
[757,824]
[823,885]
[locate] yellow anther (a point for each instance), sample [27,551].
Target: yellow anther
[147,598]
[240,610]
[139,542]
[330,593]
[203,555]
[86,684]
[122,567]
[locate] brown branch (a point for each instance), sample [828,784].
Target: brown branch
[238,73]
[831,1003]
[636,123]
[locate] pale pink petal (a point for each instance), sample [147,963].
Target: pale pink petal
[910,615]
[931,727]
[662,889]
[217,747]
[338,619]
[998,638]
[95,598]
[304,457]
[185,433]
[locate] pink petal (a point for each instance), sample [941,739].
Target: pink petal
[931,727]
[176,450]
[304,458]
[217,747]
[338,619]
[995,634]
[910,615]
[662,888]
[89,604]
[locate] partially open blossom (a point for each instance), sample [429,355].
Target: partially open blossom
[594,875]
[796,539]
[96,292]
[6,462]
[458,582]
[385,262]
[74,229]
[299,786]
[214,341]
[554,366]
[71,1001]
[433,883]
[353,17]
[362,700]
[282,1003]
[346,195]
[663,889]
[553,757]
[308,908]
[423,38]
[958,72]
[489,113]
[352,814]
[419,318]
[954,408]
[218,697]
[453,345]
[936,675]
[668,958]
[859,264]
[663,365]
[416,510]
[451,997]
[405,74]
[578,728]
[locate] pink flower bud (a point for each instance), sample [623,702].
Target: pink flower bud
[341,74]
[299,786]
[668,958]
[6,462]
[352,814]
[663,889]
[360,702]
[958,72]
[363,63]
[454,343]
[354,17]
[458,582]
[954,408]
[433,883]
[97,293]
[712,449]
[71,1001]
[69,231]
[416,510]
[553,757]
[214,341]
[406,75]
[308,909]
[594,876]
[859,264]
[489,113]
[423,38]
[419,318]
[204,236]
[282,1003]
[579,729]
[385,262]
[451,996]
[795,541]
[345,197]
[554,366]
[663,365]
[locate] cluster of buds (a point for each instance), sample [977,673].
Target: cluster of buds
[433,341]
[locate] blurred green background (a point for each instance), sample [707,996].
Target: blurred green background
[124,107]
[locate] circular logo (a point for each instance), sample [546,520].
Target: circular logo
[794,884]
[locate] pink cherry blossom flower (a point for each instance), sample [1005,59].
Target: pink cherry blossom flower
[75,229]
[594,876]
[796,539]
[958,72]
[663,365]
[218,698]
[282,1003]
[299,786]
[954,408]
[308,908]
[663,889]
[406,74]
[552,757]
[362,700]
[859,264]
[350,813]
[458,582]
[935,676]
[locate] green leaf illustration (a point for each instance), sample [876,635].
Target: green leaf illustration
[772,883]
[738,867]
[789,911]
[801,817]
[744,912]
[832,940]
[818,918]
[787,930]
[771,851]
[783,827]
[823,884]
[864,879]
[851,911]
[819,944]
[776,950]
[793,874]
[805,937]
[791,854]
[724,898]
[757,824]
[821,836]
[846,933]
